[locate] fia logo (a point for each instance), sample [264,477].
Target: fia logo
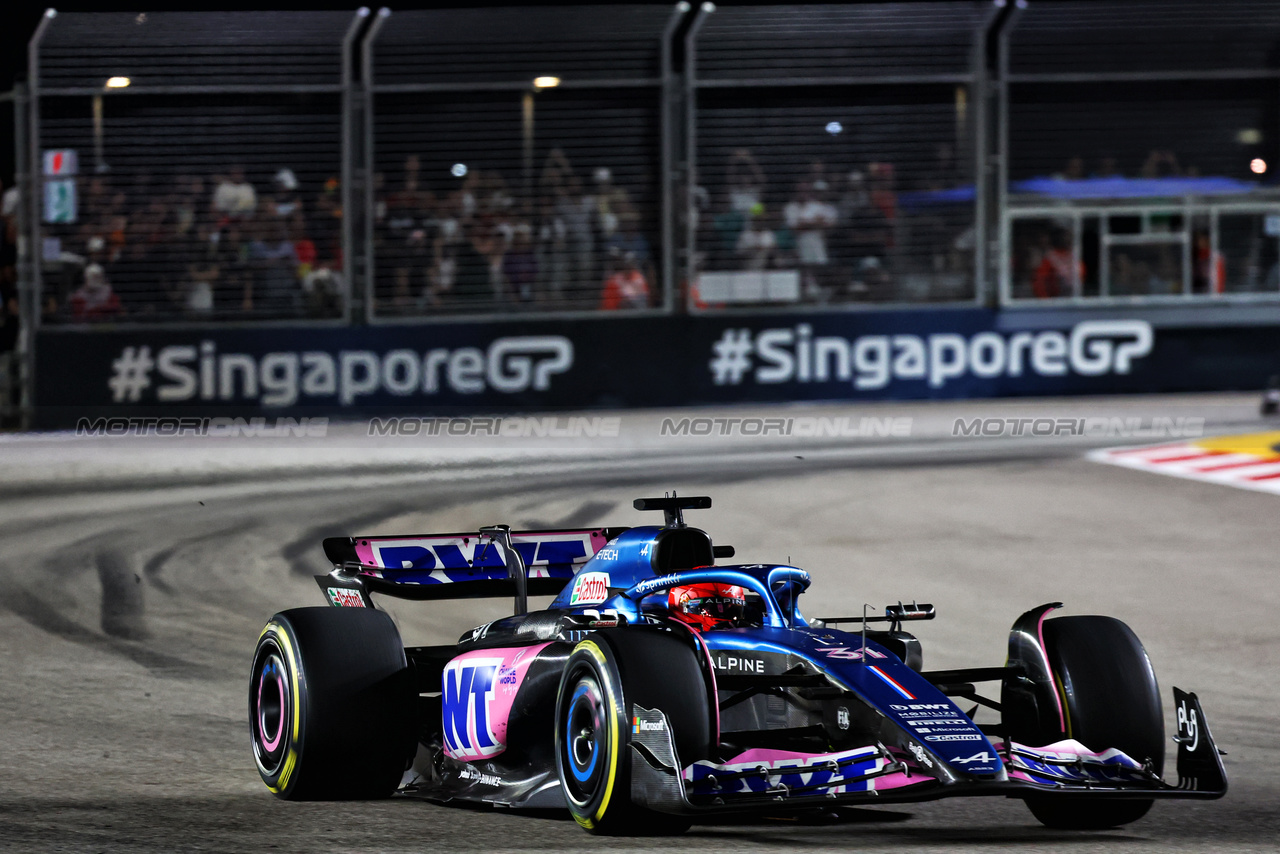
[842,717]
[468,692]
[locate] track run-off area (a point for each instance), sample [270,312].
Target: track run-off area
[137,572]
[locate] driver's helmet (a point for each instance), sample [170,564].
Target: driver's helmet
[707,606]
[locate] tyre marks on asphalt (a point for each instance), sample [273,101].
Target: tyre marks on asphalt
[48,618]
[1250,461]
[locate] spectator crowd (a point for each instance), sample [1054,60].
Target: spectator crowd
[563,240]
[197,248]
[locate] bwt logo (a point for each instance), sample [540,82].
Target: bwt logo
[508,365]
[468,691]
[473,553]
[787,355]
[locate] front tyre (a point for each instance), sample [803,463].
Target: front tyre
[1110,699]
[604,676]
[331,705]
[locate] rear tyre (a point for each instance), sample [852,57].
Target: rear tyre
[605,676]
[1111,699]
[331,705]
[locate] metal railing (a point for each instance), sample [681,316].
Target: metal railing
[564,160]
[1136,146]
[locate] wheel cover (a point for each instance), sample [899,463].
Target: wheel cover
[585,738]
[271,705]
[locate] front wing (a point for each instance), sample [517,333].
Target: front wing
[878,774]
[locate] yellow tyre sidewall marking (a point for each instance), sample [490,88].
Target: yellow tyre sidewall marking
[1258,444]
[290,760]
[614,746]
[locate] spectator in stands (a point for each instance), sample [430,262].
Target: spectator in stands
[234,197]
[746,181]
[552,251]
[556,172]
[1074,170]
[863,230]
[411,204]
[137,275]
[576,208]
[757,243]
[1210,272]
[725,229]
[186,204]
[196,293]
[1108,167]
[942,171]
[284,200]
[626,237]
[817,179]
[810,218]
[94,300]
[883,193]
[626,288]
[1054,276]
[1161,164]
[303,246]
[402,300]
[520,263]
[274,263]
[328,203]
[473,281]
[870,280]
[611,202]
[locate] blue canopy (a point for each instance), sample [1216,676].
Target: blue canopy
[1089,189]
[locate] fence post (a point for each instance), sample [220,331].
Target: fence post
[668,104]
[1002,189]
[25,344]
[349,107]
[691,138]
[31,198]
[981,145]
[366,48]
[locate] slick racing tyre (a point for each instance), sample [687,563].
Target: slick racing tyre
[331,702]
[605,676]
[1111,699]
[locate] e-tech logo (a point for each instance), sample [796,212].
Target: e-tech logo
[507,365]
[468,692]
[795,355]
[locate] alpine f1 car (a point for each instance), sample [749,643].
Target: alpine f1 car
[660,687]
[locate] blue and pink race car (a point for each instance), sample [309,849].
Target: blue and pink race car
[660,687]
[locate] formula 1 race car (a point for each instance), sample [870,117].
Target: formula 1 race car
[659,687]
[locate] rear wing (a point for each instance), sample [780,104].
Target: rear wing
[492,562]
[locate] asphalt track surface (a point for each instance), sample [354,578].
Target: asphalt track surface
[131,610]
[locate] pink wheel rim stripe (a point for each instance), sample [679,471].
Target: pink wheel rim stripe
[274,741]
